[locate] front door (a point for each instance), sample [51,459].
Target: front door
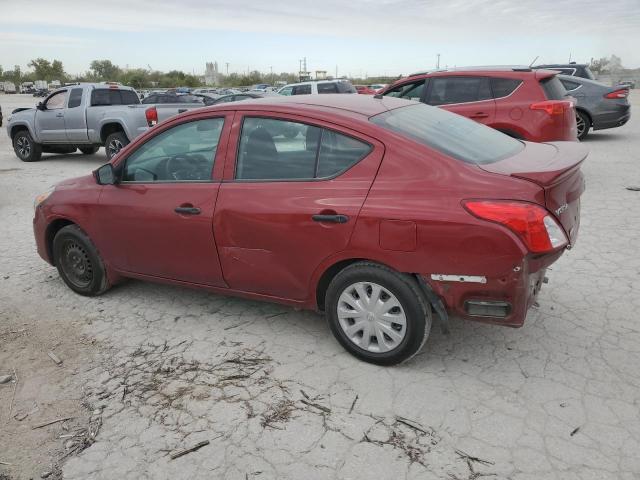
[160,214]
[49,121]
[468,96]
[291,197]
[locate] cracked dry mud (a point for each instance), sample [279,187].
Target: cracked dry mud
[274,394]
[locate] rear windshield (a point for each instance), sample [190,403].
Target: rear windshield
[451,134]
[109,96]
[553,88]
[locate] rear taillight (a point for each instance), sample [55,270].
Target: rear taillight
[552,107]
[152,116]
[533,224]
[620,93]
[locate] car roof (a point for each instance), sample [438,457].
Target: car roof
[346,105]
[309,82]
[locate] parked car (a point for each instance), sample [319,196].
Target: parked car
[84,117]
[572,69]
[598,106]
[238,97]
[41,92]
[382,211]
[9,87]
[364,90]
[315,87]
[628,83]
[378,87]
[523,103]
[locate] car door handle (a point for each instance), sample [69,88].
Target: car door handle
[59,114]
[182,110]
[188,210]
[330,218]
[479,115]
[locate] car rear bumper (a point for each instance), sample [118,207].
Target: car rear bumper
[612,119]
[503,300]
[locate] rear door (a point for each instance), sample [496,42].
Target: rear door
[289,200]
[469,96]
[75,120]
[50,120]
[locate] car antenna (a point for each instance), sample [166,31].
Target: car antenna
[534,61]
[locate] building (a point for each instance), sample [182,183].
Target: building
[211,75]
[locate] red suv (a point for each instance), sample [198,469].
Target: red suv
[523,103]
[374,210]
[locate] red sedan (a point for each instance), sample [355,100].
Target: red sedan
[364,90]
[378,211]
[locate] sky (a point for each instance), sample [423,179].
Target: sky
[358,37]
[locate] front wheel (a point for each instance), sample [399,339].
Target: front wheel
[25,148]
[377,314]
[583,124]
[115,142]
[78,262]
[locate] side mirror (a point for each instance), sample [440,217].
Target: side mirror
[41,106]
[105,175]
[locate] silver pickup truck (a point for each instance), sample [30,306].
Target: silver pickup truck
[86,117]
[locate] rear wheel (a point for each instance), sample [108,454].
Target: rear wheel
[115,142]
[78,262]
[583,124]
[89,150]
[26,149]
[377,314]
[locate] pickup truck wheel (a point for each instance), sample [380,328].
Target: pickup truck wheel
[115,142]
[26,149]
[78,262]
[89,150]
[377,314]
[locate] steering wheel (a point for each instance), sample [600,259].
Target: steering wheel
[186,167]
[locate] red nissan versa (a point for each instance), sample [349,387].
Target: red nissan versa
[526,104]
[376,211]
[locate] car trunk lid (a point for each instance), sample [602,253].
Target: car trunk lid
[556,168]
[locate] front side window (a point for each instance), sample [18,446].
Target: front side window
[301,90]
[75,98]
[327,88]
[410,91]
[449,90]
[286,91]
[57,100]
[184,153]
[273,149]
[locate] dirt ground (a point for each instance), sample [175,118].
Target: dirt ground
[148,370]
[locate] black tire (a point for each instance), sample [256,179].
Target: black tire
[583,130]
[25,148]
[78,262]
[114,143]
[89,150]
[407,292]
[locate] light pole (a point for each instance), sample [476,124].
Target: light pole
[227,64]
[271,69]
[438,63]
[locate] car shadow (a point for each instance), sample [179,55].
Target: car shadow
[603,137]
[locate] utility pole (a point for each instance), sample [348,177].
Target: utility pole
[271,69]
[438,63]
[300,70]
[227,64]
[336,71]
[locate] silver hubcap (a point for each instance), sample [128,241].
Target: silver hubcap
[580,124]
[371,317]
[114,147]
[24,147]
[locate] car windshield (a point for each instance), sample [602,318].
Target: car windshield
[449,133]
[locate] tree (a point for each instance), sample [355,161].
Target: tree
[105,70]
[41,68]
[600,65]
[57,71]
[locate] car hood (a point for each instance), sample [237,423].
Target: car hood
[22,109]
[76,182]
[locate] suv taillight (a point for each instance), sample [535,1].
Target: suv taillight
[552,107]
[152,116]
[620,93]
[532,223]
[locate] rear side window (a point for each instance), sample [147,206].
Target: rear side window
[451,134]
[273,149]
[75,98]
[553,88]
[301,90]
[345,87]
[569,85]
[327,88]
[448,90]
[503,87]
[101,97]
